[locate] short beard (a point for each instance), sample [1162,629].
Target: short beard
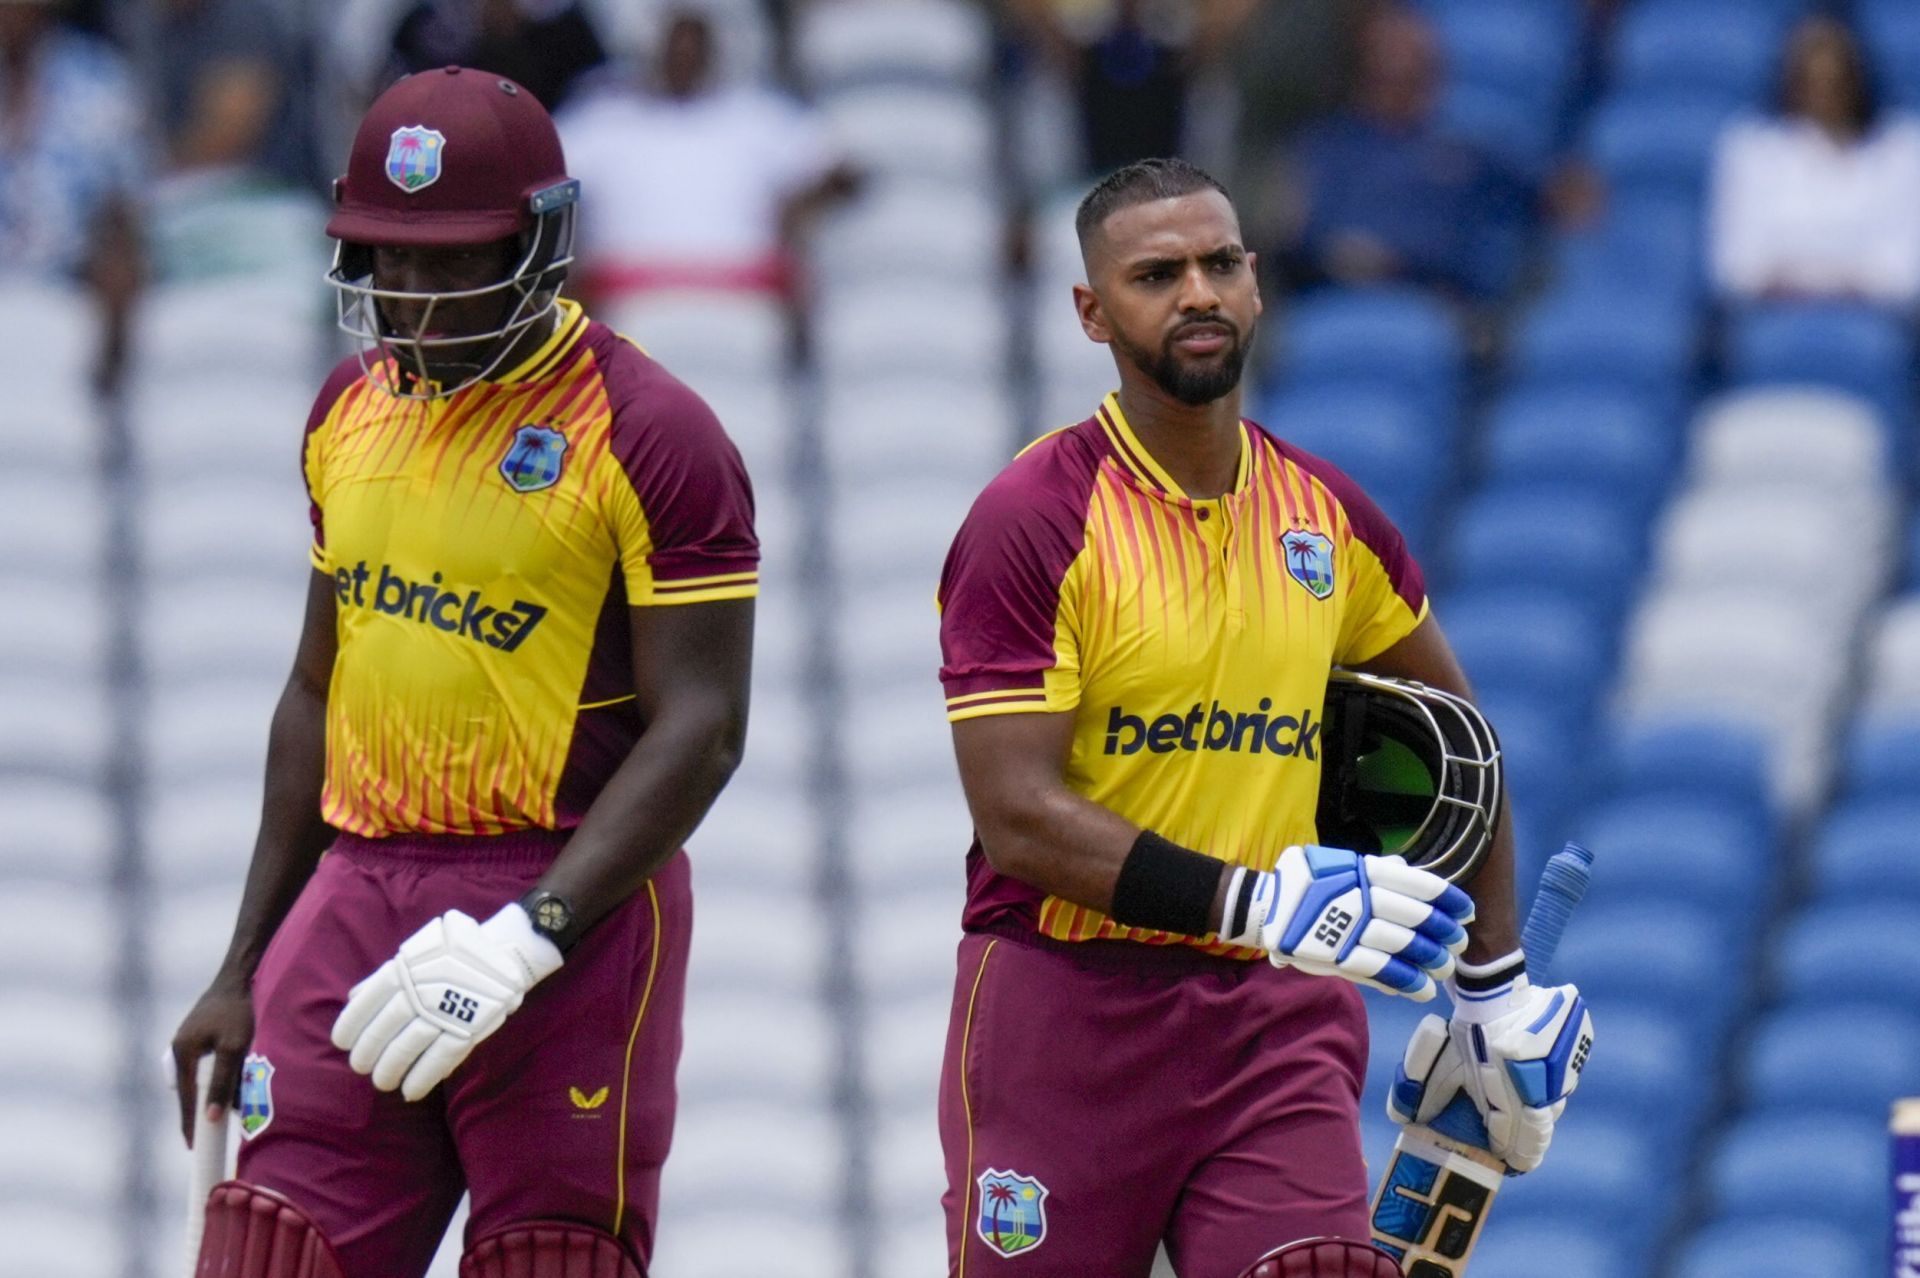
[1193,385]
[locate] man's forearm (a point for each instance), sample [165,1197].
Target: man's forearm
[646,812]
[292,833]
[1494,931]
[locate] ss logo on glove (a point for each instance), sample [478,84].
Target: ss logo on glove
[458,1005]
[1333,927]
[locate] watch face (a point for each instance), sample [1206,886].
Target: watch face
[552,915]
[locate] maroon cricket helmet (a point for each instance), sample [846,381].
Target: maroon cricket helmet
[447,157]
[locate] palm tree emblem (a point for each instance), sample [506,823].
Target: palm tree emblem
[1309,563]
[411,156]
[1000,1196]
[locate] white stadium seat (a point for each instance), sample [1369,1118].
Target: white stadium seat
[199,830]
[67,1239]
[211,729]
[58,830]
[762,836]
[878,427]
[183,334]
[726,961]
[185,939]
[742,1154]
[904,941]
[932,40]
[60,1155]
[1893,658]
[707,334]
[911,837]
[767,1046]
[52,524]
[1779,535]
[243,626]
[889,540]
[1811,437]
[732,1240]
[64,1046]
[240,524]
[912,131]
[240,424]
[58,936]
[931,232]
[57,628]
[65,727]
[904,1042]
[865,329]
[914,1241]
[909,1171]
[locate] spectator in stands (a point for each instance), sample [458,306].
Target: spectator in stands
[1380,194]
[1131,66]
[1821,200]
[546,46]
[696,183]
[72,160]
[220,86]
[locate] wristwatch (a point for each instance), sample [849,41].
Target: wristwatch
[552,916]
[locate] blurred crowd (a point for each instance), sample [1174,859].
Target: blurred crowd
[121,124]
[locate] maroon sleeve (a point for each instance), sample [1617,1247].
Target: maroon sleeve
[691,484]
[1000,591]
[344,374]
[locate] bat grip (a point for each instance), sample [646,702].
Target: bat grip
[209,1165]
[1562,883]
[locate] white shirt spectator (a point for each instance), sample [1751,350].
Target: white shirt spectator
[689,191]
[1798,212]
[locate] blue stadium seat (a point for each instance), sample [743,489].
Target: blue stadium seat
[1521,46]
[1657,142]
[1579,1247]
[1546,643]
[1891,30]
[1869,849]
[1507,125]
[1679,955]
[1392,337]
[1768,1244]
[1612,338]
[1680,847]
[1846,1056]
[1599,1166]
[1650,237]
[1854,348]
[1911,580]
[1830,1167]
[1393,446]
[1862,946]
[1718,50]
[1610,441]
[1541,738]
[1558,538]
[1689,756]
[1883,757]
[1652,1066]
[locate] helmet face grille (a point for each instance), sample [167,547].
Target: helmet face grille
[1409,770]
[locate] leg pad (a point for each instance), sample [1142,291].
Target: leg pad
[1324,1258]
[548,1249]
[256,1233]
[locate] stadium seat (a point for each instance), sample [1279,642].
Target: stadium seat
[903,1044]
[717,962]
[1697,757]
[58,628]
[1560,538]
[1850,1056]
[761,1044]
[1652,1067]
[1731,536]
[1866,848]
[1394,338]
[724,1236]
[1529,640]
[777,1157]
[905,940]
[60,831]
[1580,1246]
[927,41]
[1599,1166]
[245,423]
[1657,142]
[882,427]
[909,840]
[66,729]
[1820,438]
[1883,756]
[927,231]
[1388,442]
[1891,30]
[1857,349]
[913,131]
[239,625]
[1681,956]
[1628,341]
[1829,945]
[1709,47]
[66,1239]
[1651,237]
[1519,46]
[53,524]
[701,334]
[1681,847]
[58,936]
[59,1155]
[860,329]
[761,834]
[1502,120]
[1613,443]
[245,525]
[1767,1242]
[1828,1166]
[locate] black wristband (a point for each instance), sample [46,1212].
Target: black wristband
[1489,976]
[1166,887]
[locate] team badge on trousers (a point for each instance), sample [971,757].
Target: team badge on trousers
[256,1094]
[1013,1212]
[413,157]
[533,459]
[1309,557]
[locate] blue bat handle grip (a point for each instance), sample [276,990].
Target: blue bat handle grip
[1562,884]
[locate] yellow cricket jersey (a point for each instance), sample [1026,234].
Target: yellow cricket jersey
[485,549]
[1191,640]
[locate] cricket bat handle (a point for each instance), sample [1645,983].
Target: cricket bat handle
[209,1165]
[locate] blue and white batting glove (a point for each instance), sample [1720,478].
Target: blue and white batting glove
[1374,920]
[453,983]
[1516,1050]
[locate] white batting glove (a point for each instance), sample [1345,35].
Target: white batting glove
[453,982]
[1374,920]
[1517,1050]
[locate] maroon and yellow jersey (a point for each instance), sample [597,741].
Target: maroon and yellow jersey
[485,549]
[1190,640]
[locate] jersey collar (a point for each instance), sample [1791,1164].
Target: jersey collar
[1139,463]
[572,323]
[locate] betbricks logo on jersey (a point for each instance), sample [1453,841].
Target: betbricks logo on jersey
[443,607]
[1215,727]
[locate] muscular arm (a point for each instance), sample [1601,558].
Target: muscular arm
[690,665]
[292,836]
[1032,827]
[1425,656]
